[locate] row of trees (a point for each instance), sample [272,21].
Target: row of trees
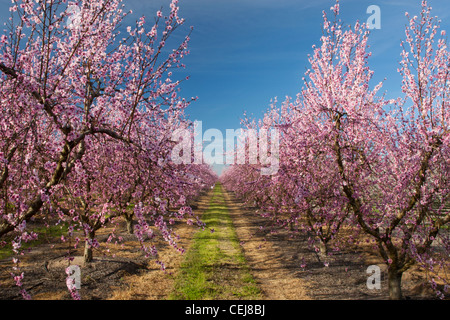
[87,112]
[350,157]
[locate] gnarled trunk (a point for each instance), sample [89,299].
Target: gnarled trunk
[322,254]
[323,250]
[395,284]
[88,252]
[130,224]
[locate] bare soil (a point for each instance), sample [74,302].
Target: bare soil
[285,268]
[118,271]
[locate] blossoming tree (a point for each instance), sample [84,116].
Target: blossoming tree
[380,166]
[87,112]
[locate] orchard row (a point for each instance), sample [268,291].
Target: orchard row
[87,113]
[351,159]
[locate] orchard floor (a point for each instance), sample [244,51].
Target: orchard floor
[284,268]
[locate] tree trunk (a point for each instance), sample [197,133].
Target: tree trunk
[395,284]
[88,254]
[129,221]
[291,226]
[323,251]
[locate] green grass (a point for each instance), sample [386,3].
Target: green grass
[214,266]
[44,233]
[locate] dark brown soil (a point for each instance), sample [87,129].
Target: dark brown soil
[287,268]
[118,271]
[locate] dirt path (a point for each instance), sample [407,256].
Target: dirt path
[265,259]
[155,284]
[214,267]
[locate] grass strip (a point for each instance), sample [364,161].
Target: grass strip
[215,267]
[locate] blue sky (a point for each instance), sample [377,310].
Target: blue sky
[246,52]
